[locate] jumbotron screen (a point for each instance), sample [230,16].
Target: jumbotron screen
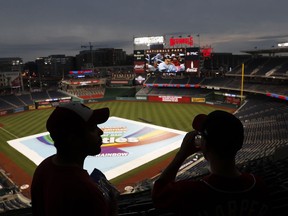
[172,60]
[80,73]
[165,60]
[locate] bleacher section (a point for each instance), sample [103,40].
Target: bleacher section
[264,153]
[56,94]
[264,67]
[12,101]
[10,196]
[255,85]
[20,100]
[39,95]
[87,93]
[26,99]
[12,203]
[190,92]
[183,80]
[4,105]
[249,85]
[85,88]
[265,120]
[273,172]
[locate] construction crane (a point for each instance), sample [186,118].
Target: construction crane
[90,46]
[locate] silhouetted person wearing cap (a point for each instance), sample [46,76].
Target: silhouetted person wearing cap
[60,185]
[226,190]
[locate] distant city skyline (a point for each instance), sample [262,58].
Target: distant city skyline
[31,29]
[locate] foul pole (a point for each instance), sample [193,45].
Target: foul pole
[242,82]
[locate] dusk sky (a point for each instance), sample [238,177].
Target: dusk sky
[36,28]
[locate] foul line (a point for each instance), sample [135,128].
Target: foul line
[8,132]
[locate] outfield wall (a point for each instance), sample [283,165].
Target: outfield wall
[150,98]
[16,110]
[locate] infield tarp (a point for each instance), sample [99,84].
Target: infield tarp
[126,145]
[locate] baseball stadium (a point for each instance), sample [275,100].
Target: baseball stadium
[151,110]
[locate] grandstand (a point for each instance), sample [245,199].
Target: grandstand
[85,88]
[264,153]
[264,114]
[266,124]
[10,196]
[11,102]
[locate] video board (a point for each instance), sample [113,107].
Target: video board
[165,60]
[192,59]
[41,104]
[170,60]
[80,73]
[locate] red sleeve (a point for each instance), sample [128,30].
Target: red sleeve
[36,194]
[169,194]
[93,204]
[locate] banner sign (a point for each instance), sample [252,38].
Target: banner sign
[175,99]
[198,100]
[180,40]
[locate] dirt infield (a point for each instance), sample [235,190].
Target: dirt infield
[143,174]
[20,177]
[15,173]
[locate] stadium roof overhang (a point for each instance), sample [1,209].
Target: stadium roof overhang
[270,52]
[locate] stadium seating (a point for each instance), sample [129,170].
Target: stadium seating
[281,70]
[173,91]
[4,105]
[150,80]
[13,101]
[41,95]
[273,172]
[56,94]
[271,169]
[266,125]
[263,66]
[10,198]
[87,93]
[264,152]
[26,98]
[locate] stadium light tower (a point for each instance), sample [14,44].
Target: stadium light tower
[198,35]
[91,53]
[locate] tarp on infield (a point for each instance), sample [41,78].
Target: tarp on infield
[126,145]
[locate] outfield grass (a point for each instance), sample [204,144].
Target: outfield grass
[171,115]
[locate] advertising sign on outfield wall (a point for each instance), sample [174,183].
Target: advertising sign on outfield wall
[141,98]
[2,113]
[198,100]
[166,98]
[31,107]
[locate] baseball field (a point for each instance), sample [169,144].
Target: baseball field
[171,115]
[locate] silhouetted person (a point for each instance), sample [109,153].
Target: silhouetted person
[226,190]
[60,185]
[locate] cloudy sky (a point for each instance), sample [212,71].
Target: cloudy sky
[34,28]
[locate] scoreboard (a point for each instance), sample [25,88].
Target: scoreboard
[47,103]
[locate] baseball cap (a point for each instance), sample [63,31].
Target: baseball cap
[75,116]
[223,130]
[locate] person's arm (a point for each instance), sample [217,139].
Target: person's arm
[187,148]
[166,191]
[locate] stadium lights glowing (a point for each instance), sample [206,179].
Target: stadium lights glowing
[283,44]
[148,40]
